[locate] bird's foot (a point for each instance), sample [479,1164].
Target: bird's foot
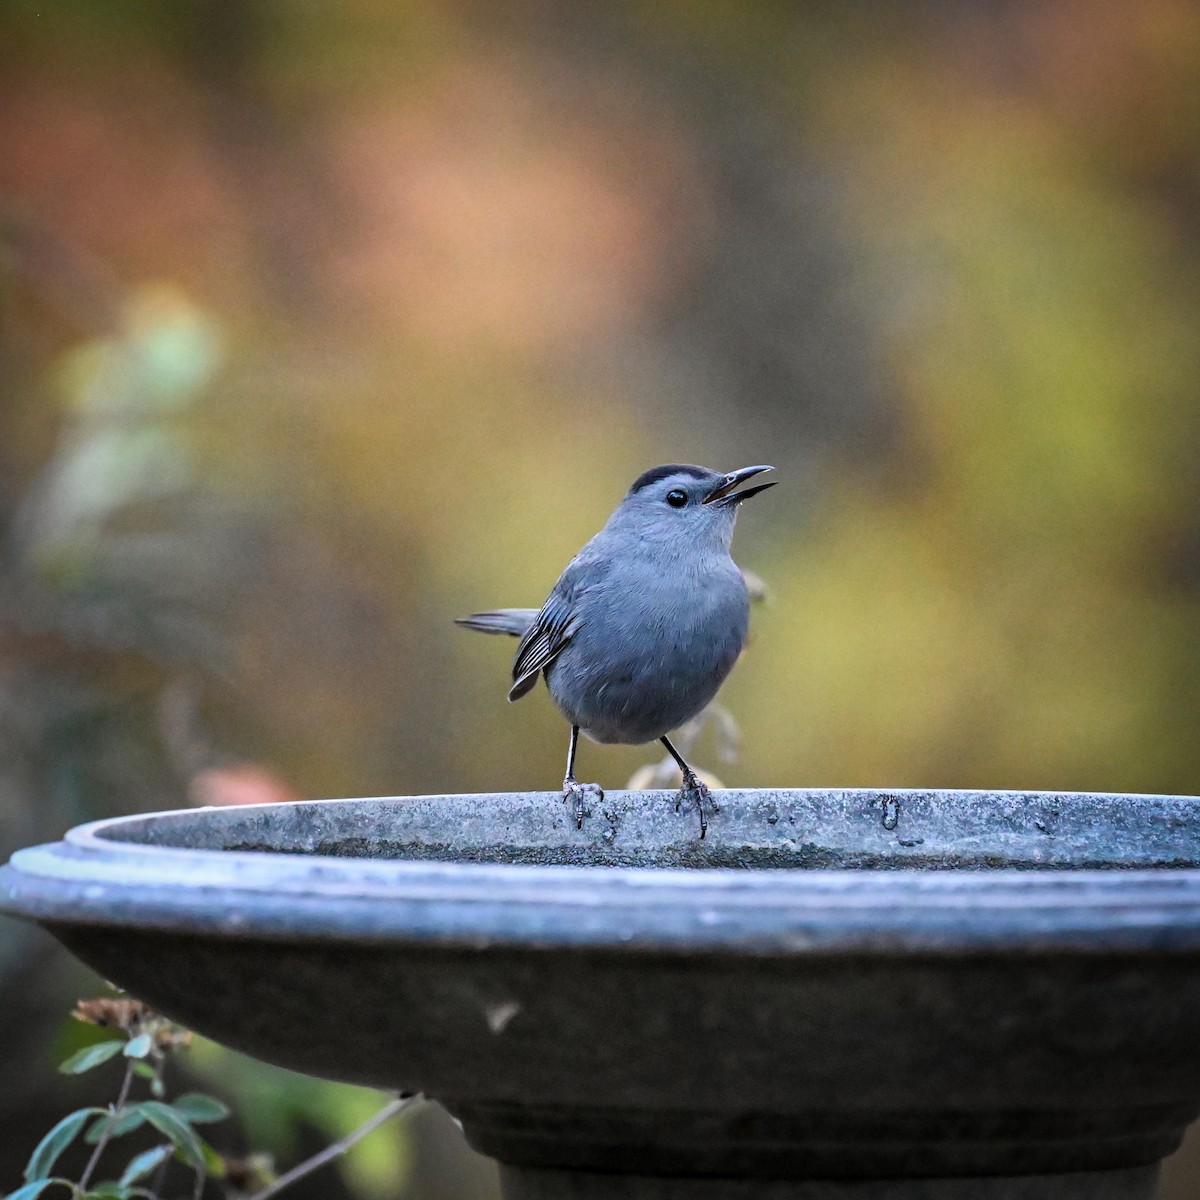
[577,793]
[699,792]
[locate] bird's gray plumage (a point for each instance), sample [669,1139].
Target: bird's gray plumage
[647,620]
[640,658]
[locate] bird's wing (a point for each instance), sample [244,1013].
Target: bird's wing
[555,623]
[542,643]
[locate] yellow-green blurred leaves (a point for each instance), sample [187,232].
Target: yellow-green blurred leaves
[274,1106]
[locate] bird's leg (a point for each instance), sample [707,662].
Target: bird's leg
[693,787]
[573,790]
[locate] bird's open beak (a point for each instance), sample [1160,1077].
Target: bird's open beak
[724,491]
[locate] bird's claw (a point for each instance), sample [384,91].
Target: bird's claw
[576,792]
[698,791]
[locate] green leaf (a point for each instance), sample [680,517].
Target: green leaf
[146,1071]
[31,1191]
[139,1046]
[200,1109]
[46,1153]
[117,1125]
[166,1120]
[214,1164]
[91,1056]
[141,1165]
[108,1191]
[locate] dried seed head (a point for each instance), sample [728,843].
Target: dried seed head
[112,1012]
[250,1174]
[171,1037]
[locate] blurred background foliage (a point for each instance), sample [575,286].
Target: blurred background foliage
[321,324]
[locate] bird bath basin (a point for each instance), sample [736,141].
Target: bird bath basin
[837,995]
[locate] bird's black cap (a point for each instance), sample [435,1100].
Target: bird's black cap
[646,478]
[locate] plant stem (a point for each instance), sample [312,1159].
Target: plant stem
[389,1110]
[114,1111]
[159,1175]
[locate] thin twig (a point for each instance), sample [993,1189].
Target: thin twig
[114,1111]
[389,1110]
[160,1174]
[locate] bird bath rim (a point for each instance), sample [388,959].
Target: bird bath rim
[1027,1031]
[134,870]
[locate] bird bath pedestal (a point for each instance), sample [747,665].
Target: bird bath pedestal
[837,995]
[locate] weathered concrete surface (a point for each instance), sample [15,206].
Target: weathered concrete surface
[839,986]
[1140,1183]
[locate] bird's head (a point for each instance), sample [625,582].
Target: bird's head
[684,502]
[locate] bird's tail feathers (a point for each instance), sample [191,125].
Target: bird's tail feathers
[513,621]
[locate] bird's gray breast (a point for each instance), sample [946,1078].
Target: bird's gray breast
[650,651]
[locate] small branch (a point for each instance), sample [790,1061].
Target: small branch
[122,1096]
[160,1175]
[337,1149]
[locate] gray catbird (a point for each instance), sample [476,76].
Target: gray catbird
[643,626]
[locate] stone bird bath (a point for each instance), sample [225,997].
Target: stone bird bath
[838,995]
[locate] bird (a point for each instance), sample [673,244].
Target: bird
[645,623]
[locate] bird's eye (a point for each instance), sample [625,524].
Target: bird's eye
[677,497]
